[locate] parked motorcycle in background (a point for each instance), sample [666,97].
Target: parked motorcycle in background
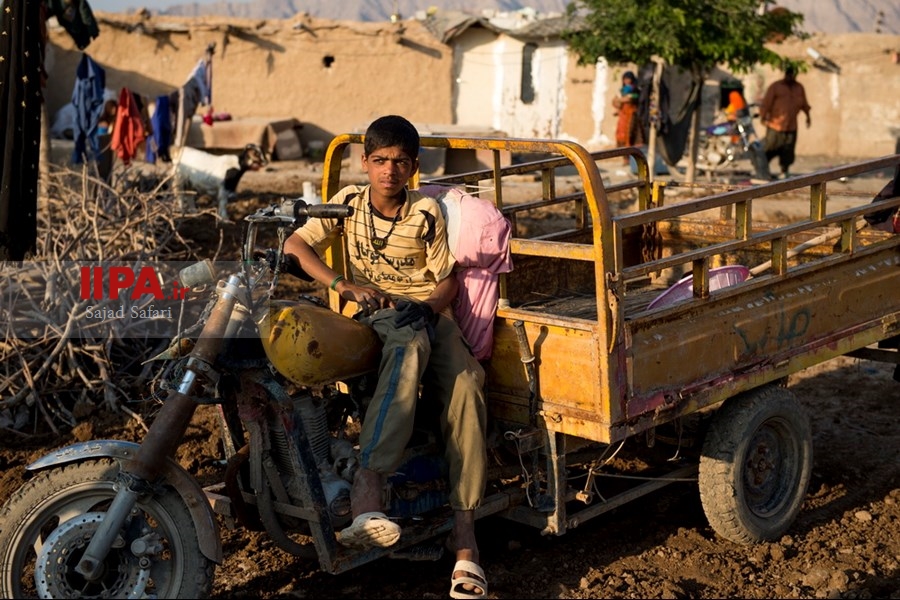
[723,147]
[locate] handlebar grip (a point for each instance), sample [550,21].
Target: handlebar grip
[322,211]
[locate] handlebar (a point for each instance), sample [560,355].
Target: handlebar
[290,213]
[295,212]
[321,211]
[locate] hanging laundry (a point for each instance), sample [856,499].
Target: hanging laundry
[77,19]
[87,98]
[128,132]
[201,76]
[161,138]
[196,91]
[192,94]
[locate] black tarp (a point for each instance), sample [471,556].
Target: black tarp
[21,80]
[672,121]
[21,60]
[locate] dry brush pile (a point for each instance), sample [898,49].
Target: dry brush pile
[58,365]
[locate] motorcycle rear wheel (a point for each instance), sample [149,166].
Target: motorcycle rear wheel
[46,525]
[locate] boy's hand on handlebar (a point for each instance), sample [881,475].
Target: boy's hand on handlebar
[287,264]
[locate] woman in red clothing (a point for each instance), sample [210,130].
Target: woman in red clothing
[628,130]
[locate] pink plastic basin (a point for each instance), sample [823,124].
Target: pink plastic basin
[719,278]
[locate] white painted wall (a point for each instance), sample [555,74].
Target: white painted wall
[474,78]
[541,117]
[488,90]
[600,107]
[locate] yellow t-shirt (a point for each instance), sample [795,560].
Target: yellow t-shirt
[415,255]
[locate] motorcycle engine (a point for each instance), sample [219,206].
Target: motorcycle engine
[418,485]
[335,458]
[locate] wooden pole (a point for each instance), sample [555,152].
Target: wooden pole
[655,116]
[45,153]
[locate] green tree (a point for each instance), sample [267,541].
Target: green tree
[695,35]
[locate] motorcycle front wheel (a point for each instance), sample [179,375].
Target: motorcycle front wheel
[47,524]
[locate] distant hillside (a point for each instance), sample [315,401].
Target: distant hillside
[372,10]
[820,16]
[847,16]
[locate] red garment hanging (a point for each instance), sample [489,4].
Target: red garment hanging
[129,130]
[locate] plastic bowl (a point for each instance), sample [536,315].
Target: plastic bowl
[719,278]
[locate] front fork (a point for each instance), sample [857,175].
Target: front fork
[165,433]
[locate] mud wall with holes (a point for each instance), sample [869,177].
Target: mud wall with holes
[336,76]
[333,77]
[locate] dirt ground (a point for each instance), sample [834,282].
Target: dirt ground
[844,544]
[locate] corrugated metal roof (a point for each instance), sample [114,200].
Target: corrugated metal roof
[549,27]
[446,25]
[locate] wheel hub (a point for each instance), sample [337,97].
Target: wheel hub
[55,576]
[765,473]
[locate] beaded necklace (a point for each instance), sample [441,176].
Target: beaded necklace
[379,243]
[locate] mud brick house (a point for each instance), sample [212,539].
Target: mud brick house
[455,73]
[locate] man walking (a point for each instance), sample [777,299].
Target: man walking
[783,101]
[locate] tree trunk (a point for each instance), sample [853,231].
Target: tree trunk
[693,138]
[690,175]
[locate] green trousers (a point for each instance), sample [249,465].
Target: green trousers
[452,378]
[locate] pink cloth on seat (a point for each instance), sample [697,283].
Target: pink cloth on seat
[479,239]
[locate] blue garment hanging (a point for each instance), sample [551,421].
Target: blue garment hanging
[202,74]
[161,123]
[87,98]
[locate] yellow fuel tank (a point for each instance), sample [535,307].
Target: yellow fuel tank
[313,345]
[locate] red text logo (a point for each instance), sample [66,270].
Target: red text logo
[143,283]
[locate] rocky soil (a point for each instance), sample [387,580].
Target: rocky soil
[845,543]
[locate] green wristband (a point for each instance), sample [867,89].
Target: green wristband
[336,281]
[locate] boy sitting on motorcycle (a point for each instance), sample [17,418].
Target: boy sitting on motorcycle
[401,277]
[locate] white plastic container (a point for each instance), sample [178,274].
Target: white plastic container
[309,193]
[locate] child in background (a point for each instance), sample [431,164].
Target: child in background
[628,131]
[629,90]
[107,118]
[736,104]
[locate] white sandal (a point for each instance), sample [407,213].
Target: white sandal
[370,530]
[476,577]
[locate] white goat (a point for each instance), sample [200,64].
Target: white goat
[213,175]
